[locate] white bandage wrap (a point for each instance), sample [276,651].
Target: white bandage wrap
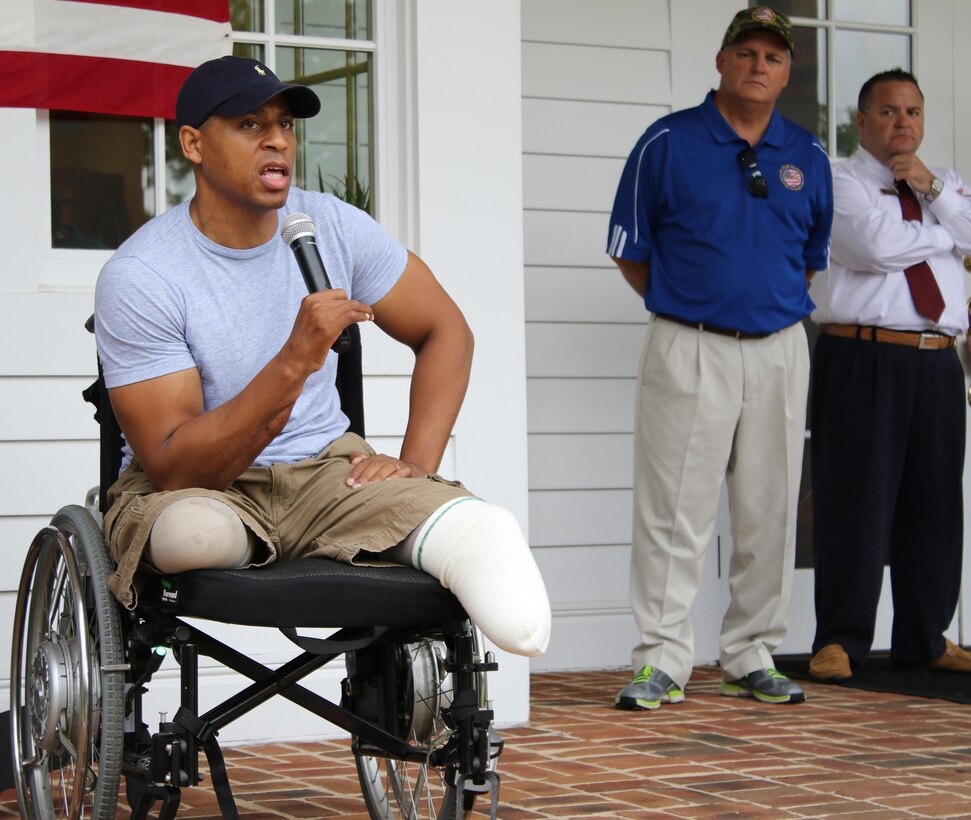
[478,551]
[198,532]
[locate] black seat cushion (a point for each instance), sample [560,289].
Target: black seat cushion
[313,592]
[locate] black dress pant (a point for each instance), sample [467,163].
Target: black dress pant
[887,446]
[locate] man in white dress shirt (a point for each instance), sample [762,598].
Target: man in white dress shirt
[887,402]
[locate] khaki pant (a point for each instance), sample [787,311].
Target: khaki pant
[711,407]
[299,510]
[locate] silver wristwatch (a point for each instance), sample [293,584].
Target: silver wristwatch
[937,185]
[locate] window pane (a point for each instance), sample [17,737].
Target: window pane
[886,12]
[180,182]
[247,15]
[804,100]
[251,50]
[340,19]
[102,180]
[860,55]
[334,148]
[813,9]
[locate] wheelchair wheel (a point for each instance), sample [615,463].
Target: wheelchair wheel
[67,675]
[402,789]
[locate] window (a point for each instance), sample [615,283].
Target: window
[102,178]
[109,175]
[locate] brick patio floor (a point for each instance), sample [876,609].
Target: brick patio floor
[844,753]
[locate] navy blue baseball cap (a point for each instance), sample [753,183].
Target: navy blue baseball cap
[233,86]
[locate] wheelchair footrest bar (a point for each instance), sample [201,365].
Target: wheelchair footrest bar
[205,733]
[170,797]
[465,784]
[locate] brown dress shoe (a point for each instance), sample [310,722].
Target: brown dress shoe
[954,659]
[830,664]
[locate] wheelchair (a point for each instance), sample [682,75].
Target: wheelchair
[414,699]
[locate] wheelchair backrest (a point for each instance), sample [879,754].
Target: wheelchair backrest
[350,386]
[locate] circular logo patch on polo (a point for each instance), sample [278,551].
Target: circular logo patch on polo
[766,15]
[792,177]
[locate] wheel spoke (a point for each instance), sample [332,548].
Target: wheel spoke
[420,784]
[54,613]
[63,790]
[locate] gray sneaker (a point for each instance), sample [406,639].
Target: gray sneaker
[766,685]
[650,688]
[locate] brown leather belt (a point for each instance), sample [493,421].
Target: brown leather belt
[907,338]
[704,327]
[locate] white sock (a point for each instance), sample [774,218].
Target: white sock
[478,551]
[199,532]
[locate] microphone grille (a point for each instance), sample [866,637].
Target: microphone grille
[297,224]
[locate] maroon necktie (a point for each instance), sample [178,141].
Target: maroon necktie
[920,278]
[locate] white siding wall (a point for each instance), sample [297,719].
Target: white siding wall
[594,77]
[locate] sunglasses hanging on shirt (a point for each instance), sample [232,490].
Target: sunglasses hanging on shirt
[754,181]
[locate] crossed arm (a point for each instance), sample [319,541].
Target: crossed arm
[869,235]
[180,445]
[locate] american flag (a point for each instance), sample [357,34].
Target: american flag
[106,56]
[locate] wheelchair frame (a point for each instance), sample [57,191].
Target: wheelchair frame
[414,696]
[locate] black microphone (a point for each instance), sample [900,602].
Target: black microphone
[300,233]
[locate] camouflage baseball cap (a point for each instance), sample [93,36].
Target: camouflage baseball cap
[761,17]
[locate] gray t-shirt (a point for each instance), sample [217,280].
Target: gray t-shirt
[169,299]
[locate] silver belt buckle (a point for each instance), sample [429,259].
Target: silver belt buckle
[925,337]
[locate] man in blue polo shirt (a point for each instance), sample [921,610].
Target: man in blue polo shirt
[722,216]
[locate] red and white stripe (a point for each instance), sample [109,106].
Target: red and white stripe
[108,56]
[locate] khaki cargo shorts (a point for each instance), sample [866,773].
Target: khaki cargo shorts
[299,510]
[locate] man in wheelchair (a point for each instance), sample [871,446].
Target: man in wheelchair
[219,369]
